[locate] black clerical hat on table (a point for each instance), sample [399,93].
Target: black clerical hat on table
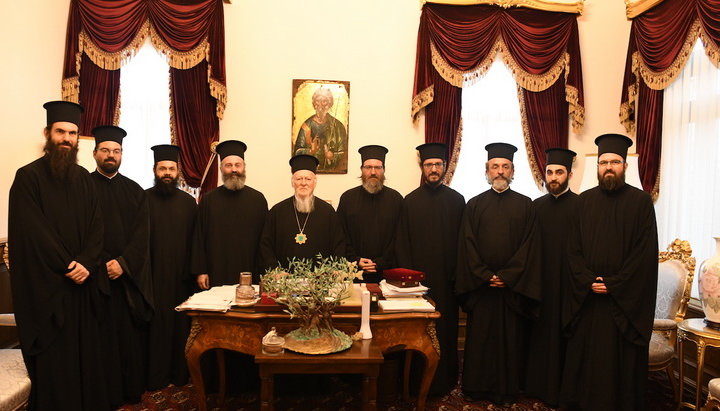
[108,133]
[231,148]
[373,152]
[63,111]
[432,150]
[613,143]
[165,152]
[500,150]
[304,162]
[560,156]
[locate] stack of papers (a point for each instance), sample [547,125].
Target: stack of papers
[390,290]
[406,304]
[215,299]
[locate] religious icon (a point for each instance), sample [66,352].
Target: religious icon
[321,113]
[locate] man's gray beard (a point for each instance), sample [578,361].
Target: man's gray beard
[499,183]
[373,185]
[305,205]
[555,191]
[61,161]
[233,181]
[611,182]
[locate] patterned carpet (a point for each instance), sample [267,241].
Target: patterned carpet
[342,393]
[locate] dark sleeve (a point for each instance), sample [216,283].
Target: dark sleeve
[338,235]
[198,262]
[350,253]
[135,254]
[268,258]
[471,272]
[403,252]
[522,272]
[634,287]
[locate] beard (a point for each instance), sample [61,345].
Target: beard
[166,185]
[109,167]
[305,205]
[556,188]
[373,184]
[62,158]
[499,183]
[234,181]
[426,179]
[611,181]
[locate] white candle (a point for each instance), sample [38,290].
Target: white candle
[365,316]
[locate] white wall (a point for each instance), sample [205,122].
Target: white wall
[370,43]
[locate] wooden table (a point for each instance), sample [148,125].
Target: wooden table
[242,330]
[696,331]
[363,357]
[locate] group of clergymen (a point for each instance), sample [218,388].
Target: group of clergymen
[559,292]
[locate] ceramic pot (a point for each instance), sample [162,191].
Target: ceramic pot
[709,287]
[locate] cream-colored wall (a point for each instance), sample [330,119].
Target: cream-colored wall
[370,43]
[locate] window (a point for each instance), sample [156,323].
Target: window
[145,112]
[689,167]
[491,113]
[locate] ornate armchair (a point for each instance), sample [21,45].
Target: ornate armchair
[676,268]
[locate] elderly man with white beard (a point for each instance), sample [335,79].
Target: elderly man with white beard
[302,226]
[369,214]
[498,282]
[229,224]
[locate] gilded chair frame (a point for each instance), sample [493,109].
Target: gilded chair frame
[681,251]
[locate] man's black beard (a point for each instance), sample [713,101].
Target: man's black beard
[109,168]
[610,182]
[559,190]
[166,188]
[61,160]
[435,184]
[373,185]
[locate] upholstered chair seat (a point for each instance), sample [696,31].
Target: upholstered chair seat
[14,380]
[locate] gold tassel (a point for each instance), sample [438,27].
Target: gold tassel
[455,155]
[219,91]
[534,167]
[576,112]
[711,49]
[71,89]
[421,100]
[660,81]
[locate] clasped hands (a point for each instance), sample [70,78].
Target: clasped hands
[496,281]
[599,287]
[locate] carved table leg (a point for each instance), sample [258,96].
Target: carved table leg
[267,388]
[193,352]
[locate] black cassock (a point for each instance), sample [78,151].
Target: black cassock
[227,233]
[614,237]
[322,229]
[52,223]
[172,219]
[124,209]
[498,237]
[546,351]
[427,241]
[370,225]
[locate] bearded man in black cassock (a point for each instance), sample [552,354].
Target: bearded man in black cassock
[56,230]
[555,212]
[126,263]
[302,226]
[172,219]
[498,282]
[427,241]
[610,304]
[229,224]
[369,215]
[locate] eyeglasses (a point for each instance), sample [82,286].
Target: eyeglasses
[430,166]
[368,168]
[106,151]
[613,163]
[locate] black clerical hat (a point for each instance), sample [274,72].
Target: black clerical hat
[373,152]
[63,111]
[613,143]
[165,152]
[432,150]
[108,133]
[500,150]
[304,162]
[561,156]
[231,148]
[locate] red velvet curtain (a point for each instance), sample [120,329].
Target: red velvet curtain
[192,99]
[465,36]
[660,41]
[103,33]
